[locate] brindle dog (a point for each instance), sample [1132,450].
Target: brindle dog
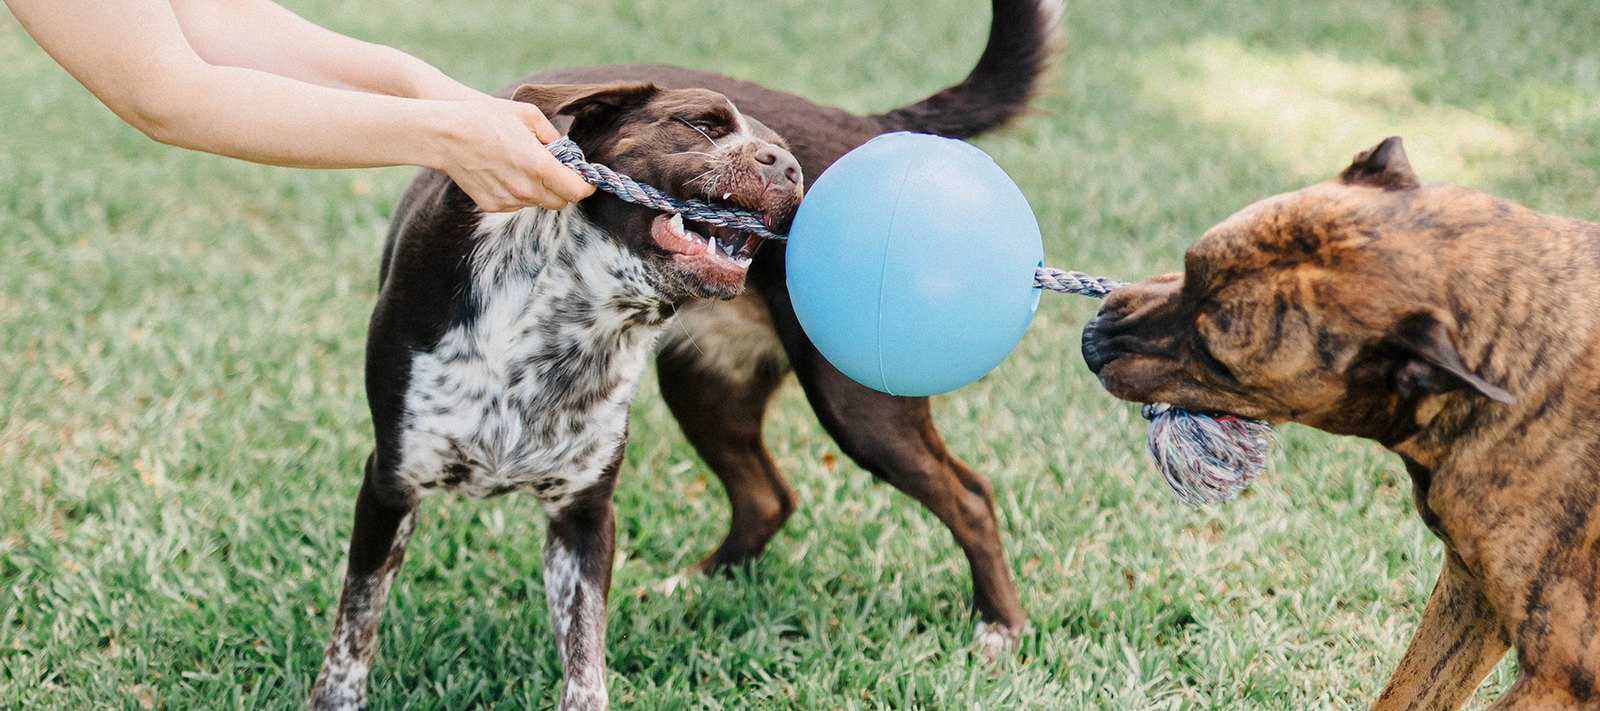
[1461,331]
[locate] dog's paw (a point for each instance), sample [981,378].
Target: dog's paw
[675,585]
[993,643]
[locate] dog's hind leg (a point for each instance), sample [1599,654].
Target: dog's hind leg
[579,548]
[894,438]
[383,523]
[1457,644]
[720,402]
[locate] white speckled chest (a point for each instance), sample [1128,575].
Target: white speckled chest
[530,391]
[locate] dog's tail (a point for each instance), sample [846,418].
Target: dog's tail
[1022,42]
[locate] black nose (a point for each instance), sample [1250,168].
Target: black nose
[777,167]
[1096,350]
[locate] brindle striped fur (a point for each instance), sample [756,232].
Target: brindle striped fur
[1461,331]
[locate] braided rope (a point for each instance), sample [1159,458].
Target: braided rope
[636,192]
[1070,282]
[600,176]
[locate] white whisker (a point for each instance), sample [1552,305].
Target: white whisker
[710,173]
[683,324]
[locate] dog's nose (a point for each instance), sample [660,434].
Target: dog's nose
[1096,350]
[1142,317]
[777,167]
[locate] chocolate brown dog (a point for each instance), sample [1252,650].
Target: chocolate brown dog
[720,365]
[1461,331]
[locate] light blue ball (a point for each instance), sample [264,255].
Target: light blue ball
[911,264]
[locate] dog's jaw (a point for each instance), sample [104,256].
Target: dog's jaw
[720,257]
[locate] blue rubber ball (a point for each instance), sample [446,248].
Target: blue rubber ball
[911,264]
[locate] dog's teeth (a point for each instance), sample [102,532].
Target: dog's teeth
[676,224]
[743,263]
[725,196]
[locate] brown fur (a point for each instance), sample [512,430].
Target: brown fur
[721,363]
[1458,329]
[504,350]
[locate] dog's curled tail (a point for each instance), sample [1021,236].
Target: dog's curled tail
[1022,43]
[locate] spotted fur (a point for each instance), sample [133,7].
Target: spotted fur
[532,394]
[505,350]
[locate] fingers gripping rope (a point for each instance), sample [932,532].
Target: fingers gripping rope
[1204,458]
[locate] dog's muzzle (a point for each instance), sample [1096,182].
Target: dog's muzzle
[1097,350]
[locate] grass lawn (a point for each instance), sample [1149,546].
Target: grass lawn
[182,420]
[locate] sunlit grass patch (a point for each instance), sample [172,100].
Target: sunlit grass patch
[1311,112]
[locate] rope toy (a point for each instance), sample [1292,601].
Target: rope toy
[630,190]
[1205,459]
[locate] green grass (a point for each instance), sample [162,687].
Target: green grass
[182,418]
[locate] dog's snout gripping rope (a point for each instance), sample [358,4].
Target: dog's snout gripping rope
[568,152]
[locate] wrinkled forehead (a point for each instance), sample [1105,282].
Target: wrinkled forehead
[1313,227]
[694,103]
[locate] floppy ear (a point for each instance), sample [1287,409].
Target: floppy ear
[1384,166]
[586,107]
[1434,365]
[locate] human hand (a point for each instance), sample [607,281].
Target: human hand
[496,155]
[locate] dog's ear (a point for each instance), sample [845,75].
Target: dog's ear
[1432,364]
[586,107]
[1384,166]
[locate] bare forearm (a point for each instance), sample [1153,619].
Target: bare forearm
[258,34]
[265,118]
[296,109]
[489,146]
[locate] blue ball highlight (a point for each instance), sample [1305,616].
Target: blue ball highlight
[910,264]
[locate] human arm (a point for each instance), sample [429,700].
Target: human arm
[135,57]
[259,34]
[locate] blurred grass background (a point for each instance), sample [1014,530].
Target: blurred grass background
[182,418]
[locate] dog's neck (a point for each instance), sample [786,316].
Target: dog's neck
[1549,284]
[596,312]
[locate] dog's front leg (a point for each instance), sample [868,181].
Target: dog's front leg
[1457,644]
[383,523]
[578,551]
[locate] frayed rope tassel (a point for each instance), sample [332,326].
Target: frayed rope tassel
[1206,459]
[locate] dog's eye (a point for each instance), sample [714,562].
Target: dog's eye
[708,126]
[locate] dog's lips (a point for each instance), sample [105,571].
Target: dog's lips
[720,255]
